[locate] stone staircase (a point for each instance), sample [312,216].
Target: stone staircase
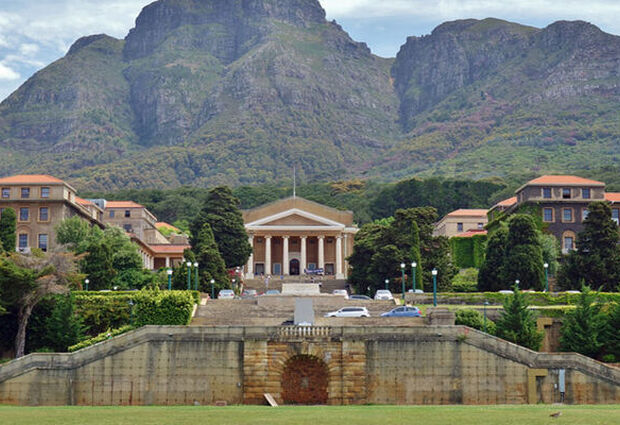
[328,283]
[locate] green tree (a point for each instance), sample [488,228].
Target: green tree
[474,319]
[610,335]
[63,326]
[8,229]
[582,327]
[221,212]
[523,258]
[517,323]
[596,262]
[72,232]
[211,263]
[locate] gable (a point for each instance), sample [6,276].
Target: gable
[294,220]
[309,209]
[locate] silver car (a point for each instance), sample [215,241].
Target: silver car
[349,312]
[383,295]
[226,294]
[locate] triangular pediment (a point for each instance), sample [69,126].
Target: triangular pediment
[295,217]
[294,220]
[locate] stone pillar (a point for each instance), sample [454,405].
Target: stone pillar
[249,267]
[285,261]
[339,274]
[302,260]
[321,252]
[267,255]
[167,262]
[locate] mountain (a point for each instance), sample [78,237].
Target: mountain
[208,92]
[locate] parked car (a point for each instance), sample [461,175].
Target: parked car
[272,292]
[226,294]
[349,312]
[249,293]
[383,295]
[342,292]
[506,291]
[360,297]
[417,291]
[403,312]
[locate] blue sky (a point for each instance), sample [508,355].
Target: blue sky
[34,33]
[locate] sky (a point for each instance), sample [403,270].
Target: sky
[34,33]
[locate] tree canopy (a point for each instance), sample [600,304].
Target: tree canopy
[8,228]
[518,324]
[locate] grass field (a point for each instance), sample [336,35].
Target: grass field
[349,415]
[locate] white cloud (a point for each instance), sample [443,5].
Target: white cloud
[7,73]
[28,49]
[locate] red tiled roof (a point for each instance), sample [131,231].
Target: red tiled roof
[82,201]
[471,233]
[612,196]
[30,179]
[163,225]
[122,204]
[507,202]
[565,180]
[168,249]
[468,213]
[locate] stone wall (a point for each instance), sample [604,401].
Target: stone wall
[378,364]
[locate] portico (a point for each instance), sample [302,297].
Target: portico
[294,235]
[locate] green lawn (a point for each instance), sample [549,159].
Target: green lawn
[354,415]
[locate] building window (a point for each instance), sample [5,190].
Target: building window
[480,226]
[584,214]
[24,214]
[23,240]
[112,214]
[25,192]
[45,192]
[459,227]
[6,192]
[43,242]
[569,244]
[546,191]
[567,215]
[128,228]
[127,213]
[585,193]
[615,215]
[44,214]
[548,215]
[566,193]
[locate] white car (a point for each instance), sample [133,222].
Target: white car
[383,295]
[349,312]
[342,292]
[226,294]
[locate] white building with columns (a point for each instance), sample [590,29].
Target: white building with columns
[293,235]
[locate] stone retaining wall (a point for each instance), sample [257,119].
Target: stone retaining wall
[379,364]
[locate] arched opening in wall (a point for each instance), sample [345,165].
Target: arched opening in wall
[304,380]
[294,267]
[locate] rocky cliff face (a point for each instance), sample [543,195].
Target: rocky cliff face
[237,91]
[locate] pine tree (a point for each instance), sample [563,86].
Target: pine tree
[63,327]
[490,275]
[221,212]
[517,324]
[523,259]
[597,259]
[415,254]
[610,335]
[8,229]
[211,264]
[582,327]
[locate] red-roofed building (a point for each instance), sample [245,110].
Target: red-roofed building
[460,221]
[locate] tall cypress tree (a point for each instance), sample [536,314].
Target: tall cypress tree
[597,259]
[490,275]
[221,212]
[523,259]
[211,264]
[517,324]
[583,327]
[8,229]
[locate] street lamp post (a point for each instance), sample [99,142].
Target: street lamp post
[189,275]
[86,282]
[234,281]
[434,273]
[196,276]
[212,289]
[402,280]
[169,272]
[387,282]
[546,266]
[517,283]
[413,271]
[486,303]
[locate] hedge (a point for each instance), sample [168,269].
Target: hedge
[468,252]
[101,337]
[195,294]
[163,308]
[532,298]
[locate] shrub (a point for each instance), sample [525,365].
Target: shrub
[163,308]
[110,333]
[474,319]
[465,281]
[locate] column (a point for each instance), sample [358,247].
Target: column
[285,262]
[267,255]
[302,260]
[249,267]
[321,252]
[167,262]
[339,274]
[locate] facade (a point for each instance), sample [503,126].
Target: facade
[294,235]
[562,202]
[461,221]
[42,202]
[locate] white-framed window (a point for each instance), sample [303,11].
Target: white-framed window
[43,242]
